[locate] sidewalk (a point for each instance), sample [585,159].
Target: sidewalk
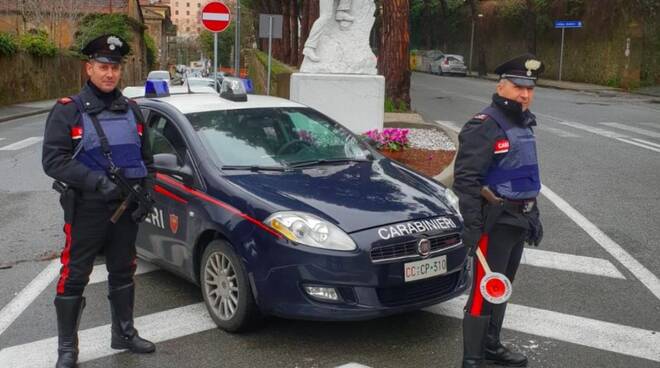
[573,86]
[11,112]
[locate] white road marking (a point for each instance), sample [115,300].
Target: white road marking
[570,262]
[100,273]
[353,365]
[594,130]
[641,131]
[559,132]
[637,144]
[615,250]
[22,144]
[583,331]
[652,125]
[646,142]
[95,342]
[25,297]
[2,139]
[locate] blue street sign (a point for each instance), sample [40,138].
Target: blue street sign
[568,24]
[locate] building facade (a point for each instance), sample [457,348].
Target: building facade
[187,15]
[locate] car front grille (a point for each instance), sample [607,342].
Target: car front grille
[418,291]
[409,249]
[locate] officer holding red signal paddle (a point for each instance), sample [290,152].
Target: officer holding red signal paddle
[497,181]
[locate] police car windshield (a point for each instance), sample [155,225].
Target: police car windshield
[274,137]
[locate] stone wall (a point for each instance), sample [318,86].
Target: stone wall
[26,78]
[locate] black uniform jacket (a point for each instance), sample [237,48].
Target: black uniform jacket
[476,154]
[59,145]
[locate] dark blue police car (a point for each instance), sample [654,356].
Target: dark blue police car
[275,209]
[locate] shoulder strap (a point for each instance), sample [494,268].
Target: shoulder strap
[499,117]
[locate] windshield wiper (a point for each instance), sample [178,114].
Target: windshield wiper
[254,168]
[331,161]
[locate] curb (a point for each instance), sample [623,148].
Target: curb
[23,115]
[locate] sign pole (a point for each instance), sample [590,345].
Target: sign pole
[215,60]
[237,43]
[270,52]
[561,54]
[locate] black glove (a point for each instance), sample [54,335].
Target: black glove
[471,240]
[109,190]
[142,211]
[535,232]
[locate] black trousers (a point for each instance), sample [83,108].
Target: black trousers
[503,253]
[90,233]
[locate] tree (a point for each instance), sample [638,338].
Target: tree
[393,58]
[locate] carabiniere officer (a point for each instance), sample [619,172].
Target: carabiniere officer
[86,136]
[497,155]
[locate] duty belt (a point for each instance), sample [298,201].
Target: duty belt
[520,206]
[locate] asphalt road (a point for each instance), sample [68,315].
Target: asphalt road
[586,298]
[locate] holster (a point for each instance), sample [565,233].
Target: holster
[67,200]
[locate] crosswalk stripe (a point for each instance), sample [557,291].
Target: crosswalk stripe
[569,262]
[583,331]
[100,273]
[633,129]
[595,130]
[95,342]
[22,144]
[25,297]
[625,140]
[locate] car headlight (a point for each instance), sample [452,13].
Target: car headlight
[307,229]
[452,198]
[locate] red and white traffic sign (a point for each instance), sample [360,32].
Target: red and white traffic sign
[216,16]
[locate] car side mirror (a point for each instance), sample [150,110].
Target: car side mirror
[168,163]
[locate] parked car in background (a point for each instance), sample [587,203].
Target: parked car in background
[448,64]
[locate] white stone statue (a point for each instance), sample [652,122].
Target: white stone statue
[339,39]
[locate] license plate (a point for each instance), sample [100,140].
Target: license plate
[425,269]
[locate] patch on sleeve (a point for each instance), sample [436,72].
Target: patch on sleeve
[140,129]
[64,100]
[480,117]
[501,146]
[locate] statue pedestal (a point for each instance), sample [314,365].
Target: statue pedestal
[356,101]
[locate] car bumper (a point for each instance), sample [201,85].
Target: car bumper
[366,289]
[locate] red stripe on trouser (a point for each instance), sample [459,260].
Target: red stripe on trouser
[477,298]
[64,258]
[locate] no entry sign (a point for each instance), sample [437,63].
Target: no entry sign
[216,16]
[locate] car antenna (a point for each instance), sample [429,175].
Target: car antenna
[188,84]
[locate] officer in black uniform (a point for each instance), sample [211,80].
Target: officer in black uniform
[497,151]
[86,136]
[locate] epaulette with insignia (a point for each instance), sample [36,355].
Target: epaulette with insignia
[64,100]
[480,117]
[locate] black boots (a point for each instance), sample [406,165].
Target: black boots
[68,310]
[474,335]
[124,335]
[497,353]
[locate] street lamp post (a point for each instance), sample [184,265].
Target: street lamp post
[472,42]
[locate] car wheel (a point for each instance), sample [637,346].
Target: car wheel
[226,290]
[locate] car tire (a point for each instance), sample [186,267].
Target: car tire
[226,289]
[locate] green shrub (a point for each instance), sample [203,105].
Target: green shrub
[37,43]
[8,44]
[152,51]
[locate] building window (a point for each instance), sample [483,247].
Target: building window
[187,5]
[176,12]
[199,5]
[187,29]
[187,12]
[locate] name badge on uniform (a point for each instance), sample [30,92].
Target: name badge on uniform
[501,146]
